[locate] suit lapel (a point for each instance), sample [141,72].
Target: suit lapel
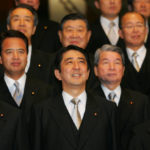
[89,120]
[63,119]
[125,109]
[5,94]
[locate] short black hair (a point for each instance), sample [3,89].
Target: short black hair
[74,16]
[13,34]
[30,8]
[59,55]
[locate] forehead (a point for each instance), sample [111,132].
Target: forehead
[75,23]
[110,55]
[27,1]
[72,54]
[133,18]
[138,1]
[21,12]
[13,42]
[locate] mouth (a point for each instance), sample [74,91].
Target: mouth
[76,75]
[15,64]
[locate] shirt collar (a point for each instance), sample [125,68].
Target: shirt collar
[67,97]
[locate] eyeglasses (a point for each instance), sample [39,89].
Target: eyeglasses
[131,26]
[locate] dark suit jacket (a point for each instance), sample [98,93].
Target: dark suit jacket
[147,44]
[12,132]
[34,92]
[40,66]
[141,137]
[138,81]
[46,36]
[53,128]
[99,38]
[132,110]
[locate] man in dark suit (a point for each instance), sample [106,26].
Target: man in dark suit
[143,7]
[24,18]
[137,56]
[17,88]
[12,132]
[45,37]
[106,27]
[132,107]
[141,137]
[73,119]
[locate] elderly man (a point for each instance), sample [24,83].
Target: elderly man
[137,73]
[132,107]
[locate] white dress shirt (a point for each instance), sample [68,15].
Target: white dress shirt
[10,83]
[106,25]
[70,106]
[141,55]
[28,58]
[117,91]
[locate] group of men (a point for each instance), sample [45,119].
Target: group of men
[91,109]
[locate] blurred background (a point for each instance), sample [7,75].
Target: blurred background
[56,9]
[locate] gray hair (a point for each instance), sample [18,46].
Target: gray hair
[110,48]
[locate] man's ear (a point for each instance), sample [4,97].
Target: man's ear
[60,35]
[89,34]
[121,34]
[1,60]
[96,3]
[95,71]
[57,74]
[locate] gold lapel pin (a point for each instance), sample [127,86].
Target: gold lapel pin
[131,102]
[45,27]
[39,65]
[33,93]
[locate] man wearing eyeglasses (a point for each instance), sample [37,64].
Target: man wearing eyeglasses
[137,74]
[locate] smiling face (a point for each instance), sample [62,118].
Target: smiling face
[110,69]
[14,57]
[133,30]
[142,7]
[74,70]
[75,32]
[109,8]
[22,19]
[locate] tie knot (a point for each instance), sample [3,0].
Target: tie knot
[16,84]
[111,24]
[134,54]
[75,101]
[112,96]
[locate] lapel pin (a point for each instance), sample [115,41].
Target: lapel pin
[1,115]
[95,114]
[45,27]
[33,93]
[131,102]
[39,65]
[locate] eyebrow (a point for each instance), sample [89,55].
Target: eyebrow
[70,58]
[17,16]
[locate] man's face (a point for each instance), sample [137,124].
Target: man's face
[109,8]
[34,3]
[14,57]
[74,70]
[142,7]
[110,68]
[22,19]
[133,30]
[75,32]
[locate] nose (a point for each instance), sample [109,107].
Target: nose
[15,54]
[76,65]
[112,66]
[21,23]
[74,33]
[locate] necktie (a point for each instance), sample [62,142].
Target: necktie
[135,63]
[112,96]
[17,94]
[112,34]
[75,113]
